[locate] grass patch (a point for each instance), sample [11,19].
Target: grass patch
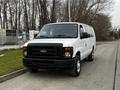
[10,60]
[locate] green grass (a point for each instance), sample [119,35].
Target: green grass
[10,60]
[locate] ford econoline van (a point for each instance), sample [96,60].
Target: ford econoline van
[60,46]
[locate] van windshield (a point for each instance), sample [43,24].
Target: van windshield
[58,31]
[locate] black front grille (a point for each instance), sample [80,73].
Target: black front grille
[44,51]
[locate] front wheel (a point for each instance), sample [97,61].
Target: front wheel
[33,70]
[77,67]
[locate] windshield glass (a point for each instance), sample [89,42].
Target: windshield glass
[58,31]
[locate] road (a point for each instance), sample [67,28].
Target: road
[96,75]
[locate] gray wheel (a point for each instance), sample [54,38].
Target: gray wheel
[77,67]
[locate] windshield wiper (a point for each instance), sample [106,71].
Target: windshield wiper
[62,36]
[55,36]
[42,37]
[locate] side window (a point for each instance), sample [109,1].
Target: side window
[81,31]
[90,33]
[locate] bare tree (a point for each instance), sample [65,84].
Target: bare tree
[16,14]
[5,21]
[20,7]
[11,15]
[26,25]
[102,26]
[44,12]
[53,13]
[29,14]
[1,13]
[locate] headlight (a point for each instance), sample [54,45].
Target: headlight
[25,51]
[67,54]
[68,51]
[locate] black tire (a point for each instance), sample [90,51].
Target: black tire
[91,56]
[33,70]
[75,72]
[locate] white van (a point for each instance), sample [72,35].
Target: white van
[60,46]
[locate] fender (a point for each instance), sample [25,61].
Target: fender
[78,51]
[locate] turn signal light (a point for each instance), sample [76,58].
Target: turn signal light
[25,51]
[68,49]
[24,48]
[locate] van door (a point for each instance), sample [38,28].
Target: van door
[88,40]
[83,42]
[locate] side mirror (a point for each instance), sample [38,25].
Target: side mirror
[36,33]
[84,35]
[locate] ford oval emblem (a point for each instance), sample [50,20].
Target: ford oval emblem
[43,51]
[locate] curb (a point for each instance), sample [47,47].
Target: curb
[12,75]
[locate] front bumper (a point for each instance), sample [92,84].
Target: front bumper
[48,63]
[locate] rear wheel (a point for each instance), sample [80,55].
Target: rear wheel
[77,67]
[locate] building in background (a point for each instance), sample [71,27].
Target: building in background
[8,36]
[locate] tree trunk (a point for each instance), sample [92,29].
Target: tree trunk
[0,17]
[10,11]
[26,25]
[33,14]
[53,14]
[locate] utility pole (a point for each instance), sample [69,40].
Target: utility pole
[69,12]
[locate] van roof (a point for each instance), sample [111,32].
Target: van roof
[68,23]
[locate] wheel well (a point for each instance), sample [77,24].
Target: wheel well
[78,53]
[93,48]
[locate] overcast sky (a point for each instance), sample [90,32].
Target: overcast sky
[116,13]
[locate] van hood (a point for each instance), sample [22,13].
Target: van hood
[65,42]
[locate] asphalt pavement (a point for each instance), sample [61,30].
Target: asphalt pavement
[96,75]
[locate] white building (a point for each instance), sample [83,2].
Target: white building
[8,37]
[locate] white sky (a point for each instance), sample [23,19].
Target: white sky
[116,13]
